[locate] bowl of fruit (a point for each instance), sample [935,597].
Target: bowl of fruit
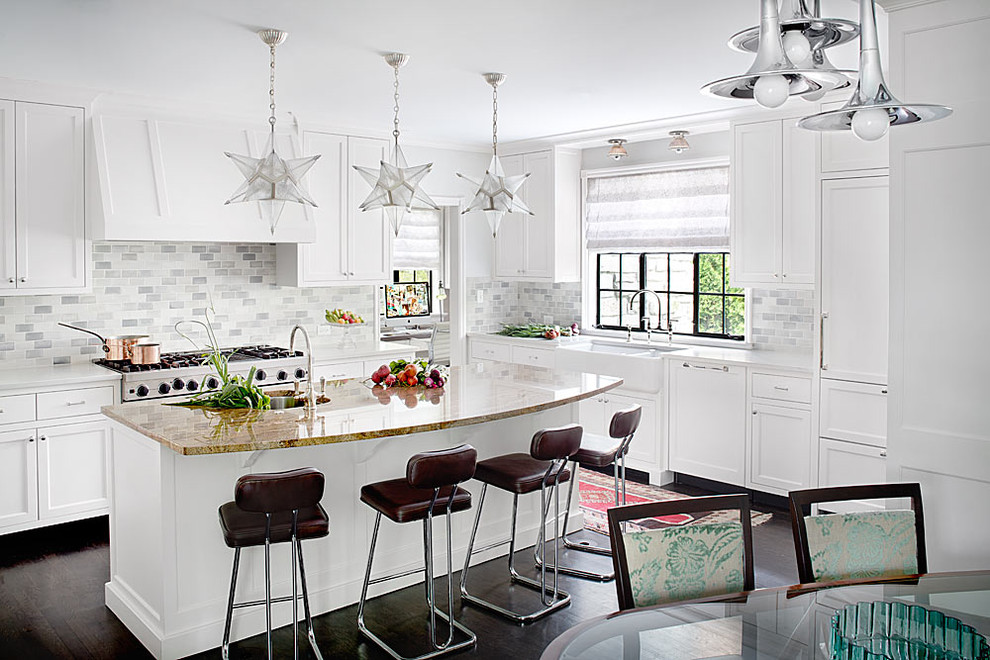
[344,324]
[418,373]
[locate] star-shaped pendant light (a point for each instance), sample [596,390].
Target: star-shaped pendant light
[496,194]
[396,184]
[272,180]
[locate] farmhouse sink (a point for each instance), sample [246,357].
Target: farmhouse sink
[640,366]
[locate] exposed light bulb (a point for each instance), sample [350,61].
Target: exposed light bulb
[771,91]
[870,124]
[796,46]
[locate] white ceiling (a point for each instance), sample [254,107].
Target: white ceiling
[572,65]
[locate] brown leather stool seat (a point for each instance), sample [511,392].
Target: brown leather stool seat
[597,450]
[242,529]
[403,503]
[516,473]
[429,490]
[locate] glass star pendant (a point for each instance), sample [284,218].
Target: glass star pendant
[496,194]
[273,181]
[396,187]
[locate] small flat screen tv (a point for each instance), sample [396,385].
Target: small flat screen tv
[407,300]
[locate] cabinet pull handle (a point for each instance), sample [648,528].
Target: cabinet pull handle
[883,453]
[782,389]
[31,439]
[883,391]
[43,438]
[75,403]
[702,366]
[11,280]
[23,280]
[754,412]
[2,411]
[821,343]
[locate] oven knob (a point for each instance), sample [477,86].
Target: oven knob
[283,375]
[260,374]
[178,384]
[142,390]
[164,388]
[192,386]
[300,373]
[211,383]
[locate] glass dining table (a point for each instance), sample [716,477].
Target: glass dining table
[916,617]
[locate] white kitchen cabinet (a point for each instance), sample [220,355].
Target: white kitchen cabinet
[772,204]
[545,246]
[72,469]
[351,246]
[18,478]
[855,279]
[842,151]
[842,463]
[490,350]
[707,420]
[533,356]
[340,371]
[44,248]
[781,448]
[856,412]
[646,449]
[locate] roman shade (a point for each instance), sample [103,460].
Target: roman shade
[418,244]
[678,209]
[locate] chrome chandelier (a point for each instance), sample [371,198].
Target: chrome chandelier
[872,108]
[272,180]
[774,77]
[395,184]
[496,194]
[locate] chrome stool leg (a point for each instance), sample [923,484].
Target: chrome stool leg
[225,648]
[305,596]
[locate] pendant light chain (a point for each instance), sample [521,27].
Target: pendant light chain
[395,108]
[494,119]
[271,91]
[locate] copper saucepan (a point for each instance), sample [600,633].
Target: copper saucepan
[116,348]
[146,353]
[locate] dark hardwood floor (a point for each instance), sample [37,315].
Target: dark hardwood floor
[51,600]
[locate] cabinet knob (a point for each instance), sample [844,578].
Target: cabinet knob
[883,453]
[24,279]
[775,274]
[43,438]
[31,439]
[10,280]
[754,412]
[883,391]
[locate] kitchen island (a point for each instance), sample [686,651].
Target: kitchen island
[172,467]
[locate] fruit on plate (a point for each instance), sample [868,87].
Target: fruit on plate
[342,317]
[410,374]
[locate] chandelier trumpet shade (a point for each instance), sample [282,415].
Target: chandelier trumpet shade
[272,180]
[773,77]
[796,19]
[496,194]
[872,108]
[396,184]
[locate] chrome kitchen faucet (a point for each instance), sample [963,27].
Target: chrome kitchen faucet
[649,330]
[310,391]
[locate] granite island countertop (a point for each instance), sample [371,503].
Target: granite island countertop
[474,394]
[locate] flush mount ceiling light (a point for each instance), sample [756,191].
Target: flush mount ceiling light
[773,77]
[396,184]
[617,151]
[496,194]
[678,144]
[272,181]
[872,108]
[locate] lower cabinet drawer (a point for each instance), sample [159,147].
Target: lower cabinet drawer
[854,411]
[540,357]
[16,408]
[489,350]
[339,371]
[73,403]
[843,463]
[782,388]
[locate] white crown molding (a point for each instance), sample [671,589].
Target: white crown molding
[896,5]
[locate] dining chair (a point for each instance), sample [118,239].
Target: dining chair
[861,544]
[656,566]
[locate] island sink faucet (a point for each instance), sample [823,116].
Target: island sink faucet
[310,390]
[649,330]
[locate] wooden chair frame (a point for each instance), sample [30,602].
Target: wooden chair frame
[802,500]
[621,514]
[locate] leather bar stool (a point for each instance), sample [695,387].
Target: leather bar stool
[599,452]
[543,469]
[428,489]
[276,507]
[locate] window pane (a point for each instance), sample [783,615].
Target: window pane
[682,307]
[630,271]
[608,306]
[422,276]
[729,289]
[735,322]
[608,277]
[710,314]
[405,276]
[682,272]
[656,272]
[710,273]
[629,317]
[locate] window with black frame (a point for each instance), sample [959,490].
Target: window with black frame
[666,231]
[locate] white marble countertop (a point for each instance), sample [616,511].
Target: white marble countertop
[34,378]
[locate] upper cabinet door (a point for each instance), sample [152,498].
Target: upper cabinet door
[51,238]
[8,246]
[510,243]
[800,193]
[843,151]
[369,233]
[539,188]
[756,204]
[325,260]
[855,279]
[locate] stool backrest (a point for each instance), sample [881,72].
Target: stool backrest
[561,442]
[445,467]
[625,422]
[279,491]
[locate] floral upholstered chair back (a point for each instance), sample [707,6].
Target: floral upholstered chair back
[859,545]
[701,560]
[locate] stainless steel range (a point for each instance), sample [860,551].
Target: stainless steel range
[185,373]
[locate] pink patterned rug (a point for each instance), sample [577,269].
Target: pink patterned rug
[598,494]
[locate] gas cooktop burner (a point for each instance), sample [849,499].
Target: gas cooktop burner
[180,359]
